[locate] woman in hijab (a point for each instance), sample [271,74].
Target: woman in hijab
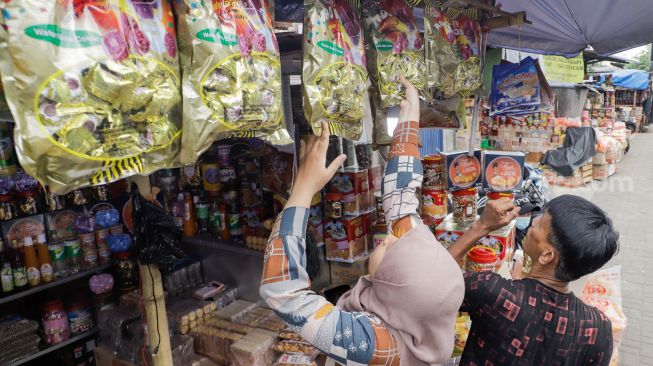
[404,311]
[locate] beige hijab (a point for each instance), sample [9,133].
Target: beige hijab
[417,291]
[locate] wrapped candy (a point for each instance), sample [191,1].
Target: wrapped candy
[334,74]
[232,76]
[101,283]
[453,49]
[102,100]
[394,47]
[107,218]
[119,243]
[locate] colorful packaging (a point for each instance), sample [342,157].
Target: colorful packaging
[355,187]
[519,88]
[463,171]
[231,74]
[453,49]
[334,74]
[94,87]
[345,239]
[394,47]
[503,171]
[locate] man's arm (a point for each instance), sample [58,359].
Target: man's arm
[404,173]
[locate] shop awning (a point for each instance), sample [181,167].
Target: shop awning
[629,79]
[567,27]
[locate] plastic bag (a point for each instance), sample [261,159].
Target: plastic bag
[156,237]
[519,88]
[394,47]
[453,49]
[231,74]
[334,74]
[603,290]
[94,88]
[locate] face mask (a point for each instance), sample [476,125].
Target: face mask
[523,223]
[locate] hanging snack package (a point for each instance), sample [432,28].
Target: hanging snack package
[334,74]
[94,88]
[394,47]
[453,49]
[231,74]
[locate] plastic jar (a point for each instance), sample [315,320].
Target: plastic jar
[434,207]
[126,272]
[334,205]
[8,209]
[465,205]
[434,173]
[55,323]
[481,259]
[80,315]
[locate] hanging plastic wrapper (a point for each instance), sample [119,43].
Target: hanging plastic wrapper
[520,88]
[394,47]
[453,49]
[334,74]
[94,87]
[231,74]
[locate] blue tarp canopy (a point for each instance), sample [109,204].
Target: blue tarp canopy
[629,79]
[567,27]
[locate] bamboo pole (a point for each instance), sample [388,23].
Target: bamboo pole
[153,299]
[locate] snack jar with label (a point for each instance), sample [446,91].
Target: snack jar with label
[434,207]
[434,173]
[55,323]
[465,205]
[499,195]
[334,205]
[345,239]
[80,315]
[481,259]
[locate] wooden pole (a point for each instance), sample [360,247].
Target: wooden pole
[153,299]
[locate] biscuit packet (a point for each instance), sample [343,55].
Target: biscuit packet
[231,74]
[394,47]
[334,75]
[453,48]
[94,88]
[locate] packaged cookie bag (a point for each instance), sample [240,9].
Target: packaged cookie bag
[94,87]
[231,74]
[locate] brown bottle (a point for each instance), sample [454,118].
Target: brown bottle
[32,263]
[190,224]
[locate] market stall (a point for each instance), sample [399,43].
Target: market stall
[201,105]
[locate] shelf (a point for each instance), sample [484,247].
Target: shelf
[52,284]
[61,345]
[226,245]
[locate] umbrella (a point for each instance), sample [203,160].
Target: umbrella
[567,27]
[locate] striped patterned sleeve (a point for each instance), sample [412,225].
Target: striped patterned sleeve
[349,338]
[402,179]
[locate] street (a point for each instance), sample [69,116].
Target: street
[628,197]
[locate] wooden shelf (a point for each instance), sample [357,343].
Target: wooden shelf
[58,346]
[52,284]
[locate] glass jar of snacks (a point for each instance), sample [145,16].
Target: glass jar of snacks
[334,207]
[434,173]
[465,205]
[55,323]
[481,259]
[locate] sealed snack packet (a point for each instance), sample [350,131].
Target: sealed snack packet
[453,48]
[94,88]
[231,74]
[334,74]
[394,47]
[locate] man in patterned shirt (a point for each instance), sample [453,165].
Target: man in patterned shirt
[537,320]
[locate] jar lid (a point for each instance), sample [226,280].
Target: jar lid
[433,158]
[52,305]
[334,196]
[466,192]
[499,195]
[482,255]
[122,255]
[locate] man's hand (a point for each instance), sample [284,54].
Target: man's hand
[409,108]
[312,173]
[497,214]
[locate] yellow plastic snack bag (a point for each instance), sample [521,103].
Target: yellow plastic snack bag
[231,74]
[334,75]
[394,47]
[94,87]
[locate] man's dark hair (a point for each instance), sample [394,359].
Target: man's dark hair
[583,234]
